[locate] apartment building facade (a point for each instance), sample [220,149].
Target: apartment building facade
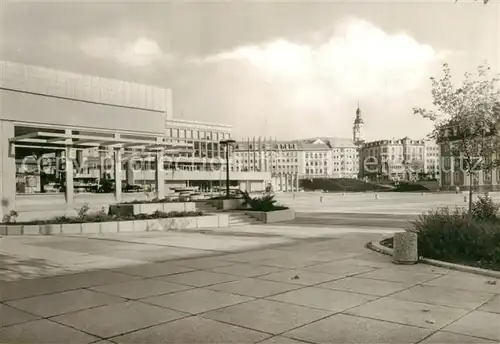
[290,161]
[399,159]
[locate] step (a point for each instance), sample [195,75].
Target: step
[243,221]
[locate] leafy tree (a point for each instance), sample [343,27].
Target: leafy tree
[466,122]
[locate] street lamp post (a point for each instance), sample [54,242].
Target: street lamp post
[227,144]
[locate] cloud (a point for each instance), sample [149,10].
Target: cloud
[311,88]
[141,52]
[358,56]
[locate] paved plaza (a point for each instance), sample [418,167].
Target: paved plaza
[279,283]
[376,203]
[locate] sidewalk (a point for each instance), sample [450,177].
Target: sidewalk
[317,291]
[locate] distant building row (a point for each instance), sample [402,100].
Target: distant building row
[395,159]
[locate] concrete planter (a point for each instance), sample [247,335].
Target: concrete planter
[50,229]
[108,227]
[15,230]
[150,208]
[31,229]
[91,228]
[3,230]
[208,221]
[227,204]
[273,216]
[173,223]
[125,226]
[140,225]
[71,228]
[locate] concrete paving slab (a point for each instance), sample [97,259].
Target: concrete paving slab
[409,312]
[366,261]
[341,328]
[425,268]
[281,340]
[154,269]
[478,324]
[196,300]
[330,300]
[467,281]
[43,331]
[492,306]
[245,270]
[112,320]
[254,287]
[443,337]
[339,269]
[444,296]
[267,316]
[138,289]
[300,277]
[11,316]
[193,330]
[203,263]
[252,256]
[65,302]
[35,287]
[364,286]
[393,274]
[289,262]
[199,278]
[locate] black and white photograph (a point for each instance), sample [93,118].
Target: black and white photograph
[250,171]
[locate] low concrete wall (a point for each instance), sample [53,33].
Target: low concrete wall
[273,216]
[227,204]
[209,221]
[150,208]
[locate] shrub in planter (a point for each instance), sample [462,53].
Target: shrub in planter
[459,237]
[103,217]
[264,203]
[484,209]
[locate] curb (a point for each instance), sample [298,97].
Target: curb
[377,247]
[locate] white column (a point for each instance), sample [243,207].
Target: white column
[129,172]
[69,154]
[159,176]
[297,181]
[117,155]
[69,174]
[7,169]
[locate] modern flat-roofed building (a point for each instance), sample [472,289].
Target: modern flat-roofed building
[62,131]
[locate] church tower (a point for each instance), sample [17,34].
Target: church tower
[357,128]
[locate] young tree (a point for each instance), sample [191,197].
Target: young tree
[466,121]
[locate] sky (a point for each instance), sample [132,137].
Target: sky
[277,69]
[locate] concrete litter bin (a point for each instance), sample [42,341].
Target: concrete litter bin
[405,248]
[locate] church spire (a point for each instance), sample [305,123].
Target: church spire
[359,119]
